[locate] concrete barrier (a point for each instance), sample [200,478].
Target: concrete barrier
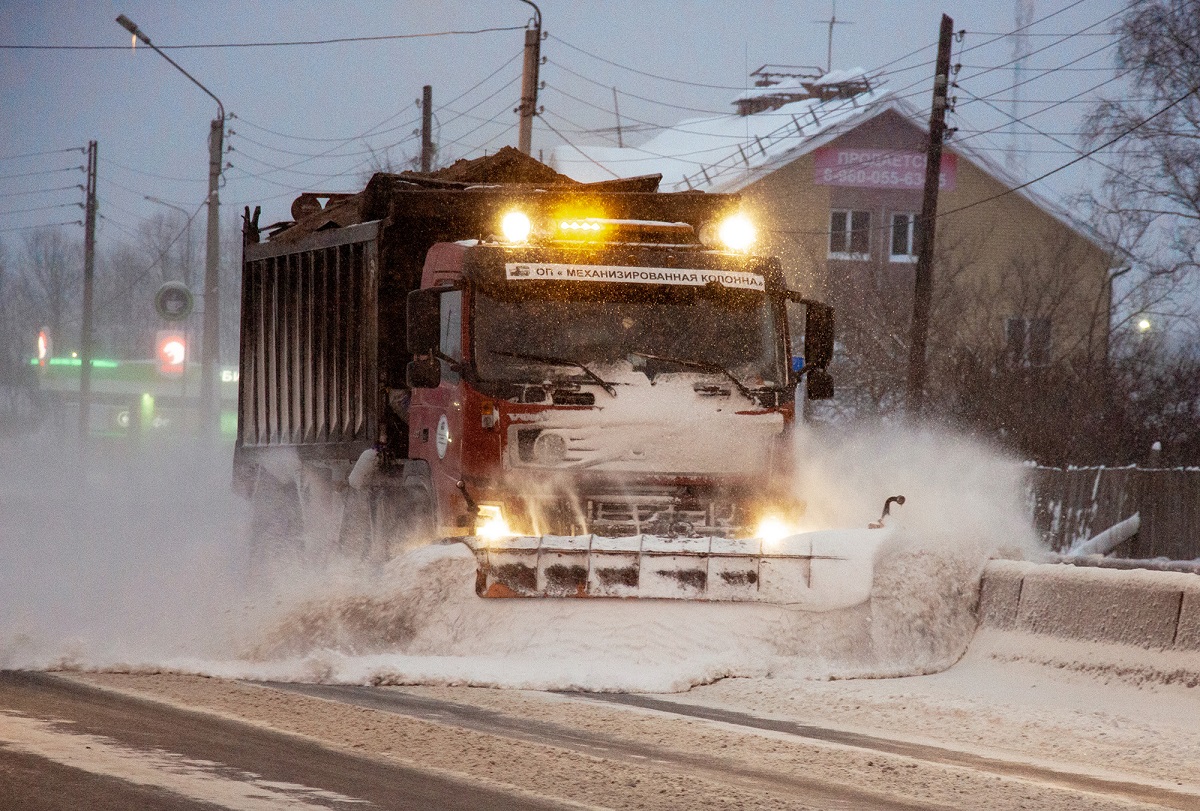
[1187,635]
[1156,610]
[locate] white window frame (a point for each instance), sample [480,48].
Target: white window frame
[846,235]
[911,237]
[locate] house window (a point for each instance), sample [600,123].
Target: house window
[906,237]
[1027,341]
[850,235]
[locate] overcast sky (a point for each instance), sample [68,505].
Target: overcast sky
[318,117]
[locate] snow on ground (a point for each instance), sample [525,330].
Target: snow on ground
[135,559]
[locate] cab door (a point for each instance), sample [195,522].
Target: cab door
[436,415]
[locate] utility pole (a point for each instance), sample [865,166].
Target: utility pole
[210,347]
[426,128]
[617,110]
[89,272]
[529,81]
[923,285]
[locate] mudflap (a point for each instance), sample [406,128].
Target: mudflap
[816,571]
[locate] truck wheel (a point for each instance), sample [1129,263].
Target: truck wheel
[421,524]
[276,525]
[401,519]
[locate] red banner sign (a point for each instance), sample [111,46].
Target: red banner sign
[878,168]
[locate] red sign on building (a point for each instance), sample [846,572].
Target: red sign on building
[878,168]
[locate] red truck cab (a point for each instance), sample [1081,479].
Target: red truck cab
[612,385]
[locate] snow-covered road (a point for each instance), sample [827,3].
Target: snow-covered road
[129,572]
[983,734]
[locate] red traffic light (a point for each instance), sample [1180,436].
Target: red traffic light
[172,353]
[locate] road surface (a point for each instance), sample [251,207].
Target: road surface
[178,742]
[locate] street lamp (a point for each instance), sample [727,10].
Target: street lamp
[210,348]
[187,236]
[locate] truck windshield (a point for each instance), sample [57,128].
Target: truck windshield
[605,324]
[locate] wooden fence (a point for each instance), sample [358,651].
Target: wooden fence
[1076,503]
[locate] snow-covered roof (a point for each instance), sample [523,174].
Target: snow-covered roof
[726,152]
[729,152]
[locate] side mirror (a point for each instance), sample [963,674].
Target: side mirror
[818,337]
[424,373]
[424,321]
[820,384]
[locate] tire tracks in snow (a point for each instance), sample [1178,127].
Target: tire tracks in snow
[810,790]
[1121,789]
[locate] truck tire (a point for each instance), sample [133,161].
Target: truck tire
[401,519]
[276,524]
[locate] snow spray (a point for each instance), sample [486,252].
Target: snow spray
[140,561]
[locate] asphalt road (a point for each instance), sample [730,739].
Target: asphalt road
[69,746]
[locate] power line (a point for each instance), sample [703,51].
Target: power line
[577,149]
[642,72]
[44,172]
[1082,156]
[339,141]
[39,208]
[43,225]
[1007,34]
[40,191]
[1038,21]
[1040,74]
[335,41]
[39,154]
[631,95]
[134,169]
[578,130]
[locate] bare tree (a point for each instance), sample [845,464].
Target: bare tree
[125,318]
[874,306]
[1151,196]
[52,281]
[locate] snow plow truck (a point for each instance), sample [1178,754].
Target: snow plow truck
[591,385]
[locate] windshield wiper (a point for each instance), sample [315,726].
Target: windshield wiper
[707,366]
[604,384]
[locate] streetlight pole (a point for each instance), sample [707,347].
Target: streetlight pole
[210,348]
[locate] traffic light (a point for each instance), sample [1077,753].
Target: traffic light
[44,348]
[172,353]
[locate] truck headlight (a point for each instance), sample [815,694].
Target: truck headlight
[515,226]
[490,523]
[734,233]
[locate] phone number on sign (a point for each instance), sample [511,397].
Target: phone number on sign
[881,178]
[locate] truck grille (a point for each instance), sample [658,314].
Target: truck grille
[616,516]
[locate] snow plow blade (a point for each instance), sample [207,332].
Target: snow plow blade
[818,571]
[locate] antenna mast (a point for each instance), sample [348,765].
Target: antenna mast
[1023,17]
[831,22]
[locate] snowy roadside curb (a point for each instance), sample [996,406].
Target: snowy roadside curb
[1137,622]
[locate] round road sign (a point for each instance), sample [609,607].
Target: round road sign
[173,301]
